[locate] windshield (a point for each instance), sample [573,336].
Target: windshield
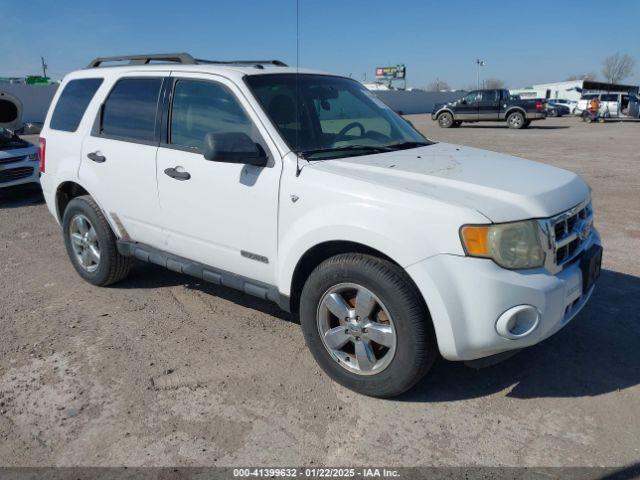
[323,117]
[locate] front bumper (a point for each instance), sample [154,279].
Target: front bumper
[466,297]
[21,172]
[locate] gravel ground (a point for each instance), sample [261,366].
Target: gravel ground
[164,370]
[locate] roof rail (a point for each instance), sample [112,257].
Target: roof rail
[183,58]
[145,59]
[277,63]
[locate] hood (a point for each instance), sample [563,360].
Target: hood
[501,187]
[10,111]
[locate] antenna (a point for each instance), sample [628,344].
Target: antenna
[44,67]
[298,169]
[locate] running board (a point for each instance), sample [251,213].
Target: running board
[209,274]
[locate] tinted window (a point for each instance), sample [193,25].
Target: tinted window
[490,96]
[72,103]
[613,97]
[130,109]
[204,107]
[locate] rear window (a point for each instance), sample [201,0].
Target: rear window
[130,110]
[72,103]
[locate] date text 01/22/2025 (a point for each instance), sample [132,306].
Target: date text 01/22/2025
[315,472]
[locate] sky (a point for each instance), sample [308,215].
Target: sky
[522,42]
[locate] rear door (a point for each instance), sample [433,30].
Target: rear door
[489,105]
[467,107]
[118,163]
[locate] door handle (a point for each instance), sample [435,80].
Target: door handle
[96,157]
[178,175]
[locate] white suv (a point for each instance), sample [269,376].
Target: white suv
[303,188]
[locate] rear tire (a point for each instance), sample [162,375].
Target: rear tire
[516,120]
[332,297]
[445,120]
[91,244]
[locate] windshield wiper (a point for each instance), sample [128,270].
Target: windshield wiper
[406,145]
[346,148]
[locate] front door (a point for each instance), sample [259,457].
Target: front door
[224,215]
[118,162]
[467,107]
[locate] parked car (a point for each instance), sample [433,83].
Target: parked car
[18,159]
[305,189]
[489,105]
[613,104]
[30,128]
[634,105]
[558,107]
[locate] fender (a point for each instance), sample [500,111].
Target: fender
[513,109]
[374,228]
[444,109]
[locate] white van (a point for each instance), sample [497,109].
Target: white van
[612,104]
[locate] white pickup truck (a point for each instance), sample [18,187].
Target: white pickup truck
[303,188]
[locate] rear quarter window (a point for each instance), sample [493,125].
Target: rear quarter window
[72,103]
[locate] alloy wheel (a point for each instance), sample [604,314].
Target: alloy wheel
[356,329]
[84,242]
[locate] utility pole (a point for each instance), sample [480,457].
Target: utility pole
[479,63]
[44,68]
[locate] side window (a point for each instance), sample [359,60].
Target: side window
[489,95]
[472,97]
[72,103]
[130,109]
[204,107]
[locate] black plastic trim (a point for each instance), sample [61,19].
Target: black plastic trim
[209,274]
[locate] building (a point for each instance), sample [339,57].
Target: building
[570,90]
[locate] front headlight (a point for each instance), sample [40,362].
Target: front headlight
[511,245]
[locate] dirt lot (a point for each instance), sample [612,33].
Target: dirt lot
[164,370]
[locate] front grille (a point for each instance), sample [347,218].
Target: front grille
[570,230]
[12,174]
[13,159]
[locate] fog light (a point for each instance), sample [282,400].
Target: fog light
[518,322]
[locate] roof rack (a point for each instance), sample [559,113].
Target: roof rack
[182,58]
[277,63]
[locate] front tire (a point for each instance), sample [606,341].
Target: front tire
[516,120]
[445,120]
[91,244]
[367,325]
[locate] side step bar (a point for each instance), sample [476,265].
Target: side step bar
[209,274]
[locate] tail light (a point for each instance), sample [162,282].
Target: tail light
[42,151]
[539,105]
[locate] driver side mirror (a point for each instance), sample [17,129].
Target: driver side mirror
[463,102]
[233,147]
